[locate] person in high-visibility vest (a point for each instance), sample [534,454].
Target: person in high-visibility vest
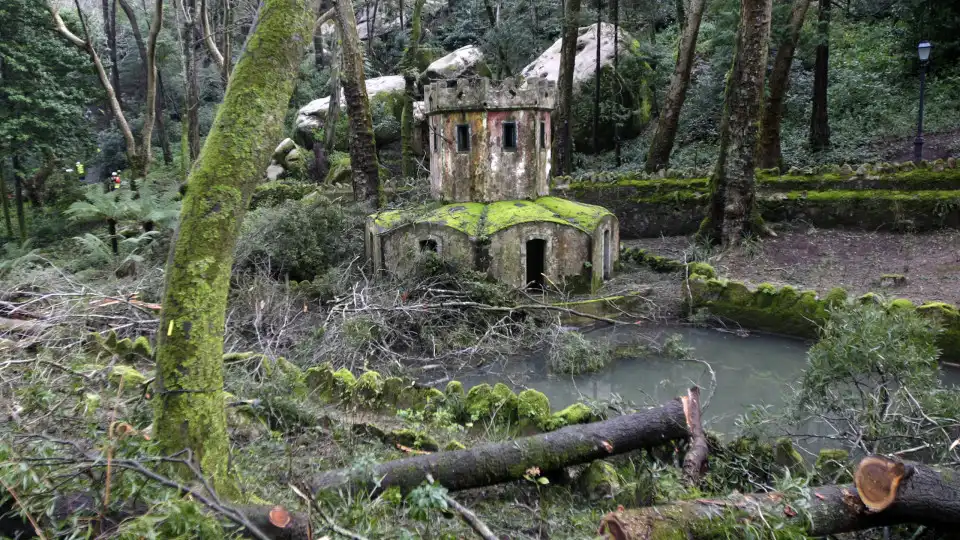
[116,180]
[81,173]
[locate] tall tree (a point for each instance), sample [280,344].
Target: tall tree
[770,152]
[110,27]
[363,151]
[18,198]
[819,119]
[160,106]
[733,189]
[5,201]
[568,56]
[408,66]
[189,383]
[138,153]
[211,44]
[663,138]
[191,77]
[333,109]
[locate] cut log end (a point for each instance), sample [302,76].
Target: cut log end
[611,529]
[877,479]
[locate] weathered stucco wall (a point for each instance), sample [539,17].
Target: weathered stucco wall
[401,247]
[567,249]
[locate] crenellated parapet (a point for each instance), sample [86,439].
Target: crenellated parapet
[485,95]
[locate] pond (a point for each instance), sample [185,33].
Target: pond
[753,370]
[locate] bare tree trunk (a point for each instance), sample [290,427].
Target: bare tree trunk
[333,109]
[733,189]
[18,199]
[408,66]
[568,54]
[373,27]
[227,43]
[363,151]
[208,39]
[189,382]
[142,50]
[819,119]
[770,148]
[495,463]
[191,74]
[663,138]
[110,27]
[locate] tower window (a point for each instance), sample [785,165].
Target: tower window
[428,245]
[543,134]
[463,137]
[436,140]
[509,135]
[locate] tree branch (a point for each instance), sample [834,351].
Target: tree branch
[208,36]
[149,115]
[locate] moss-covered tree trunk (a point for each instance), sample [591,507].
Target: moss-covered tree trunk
[408,67]
[819,119]
[189,382]
[770,148]
[563,151]
[662,144]
[733,187]
[363,150]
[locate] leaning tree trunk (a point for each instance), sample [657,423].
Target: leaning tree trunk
[819,119]
[662,144]
[502,462]
[887,492]
[409,68]
[363,150]
[733,189]
[110,27]
[568,55]
[189,381]
[770,147]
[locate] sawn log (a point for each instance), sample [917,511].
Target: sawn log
[890,492]
[503,462]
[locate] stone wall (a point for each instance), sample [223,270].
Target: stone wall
[397,251]
[567,249]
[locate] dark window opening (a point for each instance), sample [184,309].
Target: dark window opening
[463,137]
[606,254]
[428,245]
[543,134]
[509,135]
[436,140]
[536,263]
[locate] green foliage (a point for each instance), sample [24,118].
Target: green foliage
[276,192]
[572,353]
[300,238]
[426,499]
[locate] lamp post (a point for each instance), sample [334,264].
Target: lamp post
[923,50]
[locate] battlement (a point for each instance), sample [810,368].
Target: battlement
[485,95]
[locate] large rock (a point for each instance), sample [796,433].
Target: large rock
[464,62]
[313,114]
[548,64]
[628,86]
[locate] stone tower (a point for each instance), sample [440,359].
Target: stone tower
[489,177]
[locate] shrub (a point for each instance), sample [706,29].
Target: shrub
[573,354]
[301,238]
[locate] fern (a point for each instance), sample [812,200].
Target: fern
[17,255]
[99,206]
[155,205]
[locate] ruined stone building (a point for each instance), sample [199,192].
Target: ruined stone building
[492,210]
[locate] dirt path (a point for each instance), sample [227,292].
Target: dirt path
[821,259]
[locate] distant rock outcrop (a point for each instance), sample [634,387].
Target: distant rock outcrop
[548,63]
[313,114]
[465,62]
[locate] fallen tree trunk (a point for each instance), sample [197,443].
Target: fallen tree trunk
[892,492]
[496,463]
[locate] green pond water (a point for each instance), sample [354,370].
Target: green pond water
[753,370]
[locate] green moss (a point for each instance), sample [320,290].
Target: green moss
[533,409]
[454,388]
[701,269]
[368,389]
[831,466]
[273,193]
[902,303]
[343,383]
[578,413]
[599,480]
[836,297]
[785,455]
[504,404]
[130,376]
[142,347]
[391,391]
[339,171]
[413,439]
[479,401]
[454,445]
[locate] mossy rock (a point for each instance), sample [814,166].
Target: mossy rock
[836,297]
[533,409]
[273,193]
[339,171]
[578,413]
[701,269]
[130,376]
[343,384]
[422,398]
[319,381]
[599,480]
[413,439]
[368,389]
[785,455]
[504,404]
[391,391]
[479,401]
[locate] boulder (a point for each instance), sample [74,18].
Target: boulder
[464,62]
[629,84]
[274,171]
[283,149]
[548,64]
[313,114]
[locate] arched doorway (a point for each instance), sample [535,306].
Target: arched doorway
[536,263]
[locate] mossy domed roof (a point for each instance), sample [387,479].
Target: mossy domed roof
[480,220]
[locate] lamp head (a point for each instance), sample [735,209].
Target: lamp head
[923,49]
